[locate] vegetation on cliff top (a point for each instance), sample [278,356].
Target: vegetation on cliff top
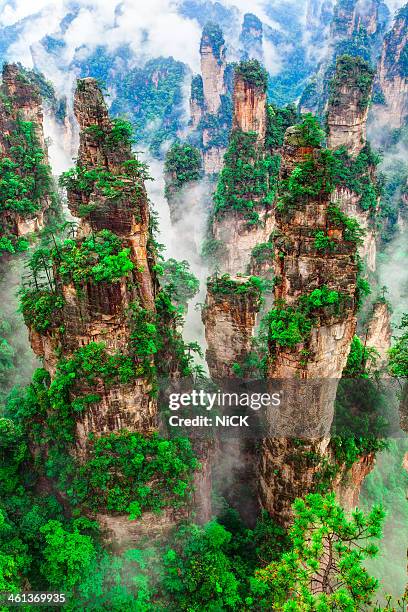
[127,178]
[292,325]
[358,75]
[253,73]
[248,179]
[213,36]
[178,281]
[25,182]
[349,542]
[321,172]
[183,165]
[311,179]
[101,257]
[130,472]
[278,121]
[224,285]
[307,133]
[46,90]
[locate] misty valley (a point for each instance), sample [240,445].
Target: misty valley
[204,305]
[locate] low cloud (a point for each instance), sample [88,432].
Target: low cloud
[394,5]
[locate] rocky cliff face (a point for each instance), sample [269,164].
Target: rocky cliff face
[103,316]
[348,105]
[392,75]
[196,101]
[249,106]
[232,230]
[379,333]
[302,267]
[356,29]
[317,353]
[212,52]
[210,99]
[348,484]
[229,316]
[243,217]
[107,193]
[242,220]
[251,38]
[352,15]
[26,100]
[26,186]
[182,171]
[351,90]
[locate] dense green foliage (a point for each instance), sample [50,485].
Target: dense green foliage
[360,426]
[199,572]
[289,325]
[387,485]
[225,562]
[178,281]
[329,548]
[361,361]
[357,175]
[197,91]
[217,126]
[325,170]
[25,179]
[25,183]
[12,244]
[315,176]
[127,178]
[309,132]
[253,286]
[263,252]
[323,242]
[100,257]
[358,74]
[278,121]
[159,81]
[253,73]
[40,307]
[48,539]
[310,179]
[248,179]
[212,35]
[352,230]
[183,164]
[129,472]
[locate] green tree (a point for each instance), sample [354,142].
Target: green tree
[179,282]
[362,360]
[324,569]
[398,354]
[183,164]
[68,555]
[198,574]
